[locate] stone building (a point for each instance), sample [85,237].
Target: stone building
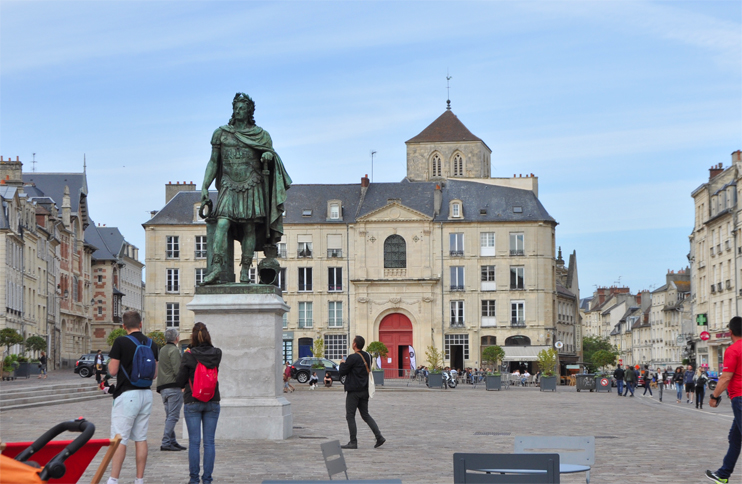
[670,307]
[448,257]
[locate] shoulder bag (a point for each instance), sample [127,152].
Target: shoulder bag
[371,385]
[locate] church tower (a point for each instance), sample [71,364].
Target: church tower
[447,149]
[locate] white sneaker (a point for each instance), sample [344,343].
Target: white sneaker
[111,480]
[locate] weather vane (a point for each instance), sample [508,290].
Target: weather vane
[448,90]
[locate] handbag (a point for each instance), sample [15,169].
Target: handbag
[371,385]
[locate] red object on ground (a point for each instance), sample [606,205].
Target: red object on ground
[76,464]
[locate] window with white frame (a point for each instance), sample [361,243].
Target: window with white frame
[335,279]
[281,281]
[487,244]
[517,277]
[487,277]
[334,246]
[305,315]
[173,280]
[172,247]
[517,243]
[456,340]
[456,210]
[488,313]
[304,250]
[172,315]
[457,278]
[334,211]
[285,320]
[200,244]
[457,313]
[517,313]
[305,279]
[335,314]
[336,346]
[200,274]
[281,250]
[456,244]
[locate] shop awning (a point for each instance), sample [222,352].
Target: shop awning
[523,353]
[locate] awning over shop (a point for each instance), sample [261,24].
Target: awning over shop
[522,353]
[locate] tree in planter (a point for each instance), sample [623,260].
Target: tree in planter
[493,355]
[115,334]
[603,358]
[590,346]
[35,343]
[435,359]
[319,352]
[547,361]
[10,337]
[377,349]
[10,363]
[157,337]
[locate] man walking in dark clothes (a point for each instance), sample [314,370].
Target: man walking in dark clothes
[355,369]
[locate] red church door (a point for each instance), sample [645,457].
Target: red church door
[395,331]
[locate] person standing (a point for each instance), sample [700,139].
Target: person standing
[618,375]
[99,369]
[200,415]
[287,386]
[730,380]
[167,387]
[132,399]
[677,379]
[647,381]
[630,378]
[700,385]
[42,365]
[688,378]
[661,380]
[356,369]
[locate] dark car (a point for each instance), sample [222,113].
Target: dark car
[302,369]
[85,366]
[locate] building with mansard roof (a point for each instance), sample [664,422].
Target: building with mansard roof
[448,257]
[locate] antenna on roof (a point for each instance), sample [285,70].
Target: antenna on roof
[84,164]
[33,168]
[618,282]
[448,91]
[372,165]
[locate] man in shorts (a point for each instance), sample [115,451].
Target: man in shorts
[132,405]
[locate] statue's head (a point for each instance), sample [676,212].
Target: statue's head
[243,107]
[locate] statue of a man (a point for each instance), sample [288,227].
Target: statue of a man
[252,183]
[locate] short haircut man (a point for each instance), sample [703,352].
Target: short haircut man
[167,387]
[132,404]
[359,342]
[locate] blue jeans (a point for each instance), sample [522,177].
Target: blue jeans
[735,441]
[198,414]
[619,385]
[679,388]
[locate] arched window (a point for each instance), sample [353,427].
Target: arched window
[518,340]
[395,252]
[458,165]
[436,165]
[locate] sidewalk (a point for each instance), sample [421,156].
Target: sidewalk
[65,375]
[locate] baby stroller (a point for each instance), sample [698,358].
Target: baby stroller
[61,461]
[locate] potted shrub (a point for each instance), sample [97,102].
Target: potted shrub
[547,360]
[492,355]
[377,349]
[319,352]
[435,363]
[10,363]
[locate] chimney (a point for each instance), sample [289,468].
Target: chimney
[437,200]
[737,156]
[12,172]
[172,189]
[364,181]
[715,170]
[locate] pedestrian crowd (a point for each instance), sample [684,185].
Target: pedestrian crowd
[693,381]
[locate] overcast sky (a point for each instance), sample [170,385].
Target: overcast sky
[619,107]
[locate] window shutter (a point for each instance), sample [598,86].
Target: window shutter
[305,238]
[334,241]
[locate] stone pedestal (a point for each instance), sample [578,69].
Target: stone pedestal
[245,321]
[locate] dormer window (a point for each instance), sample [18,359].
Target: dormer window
[456,209]
[334,210]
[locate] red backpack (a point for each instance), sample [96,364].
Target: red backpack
[203,385]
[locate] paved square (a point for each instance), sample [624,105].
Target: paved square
[638,439]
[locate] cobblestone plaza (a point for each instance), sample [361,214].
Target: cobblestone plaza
[637,439]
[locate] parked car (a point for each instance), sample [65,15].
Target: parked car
[302,369]
[85,365]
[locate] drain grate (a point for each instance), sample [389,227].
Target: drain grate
[310,437]
[606,437]
[491,433]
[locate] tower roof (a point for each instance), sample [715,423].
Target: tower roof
[446,128]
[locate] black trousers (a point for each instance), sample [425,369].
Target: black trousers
[700,394]
[359,400]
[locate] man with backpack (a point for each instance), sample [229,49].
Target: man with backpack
[133,361]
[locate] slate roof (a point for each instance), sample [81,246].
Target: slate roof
[447,127]
[52,185]
[585,303]
[497,200]
[564,291]
[683,286]
[107,241]
[660,289]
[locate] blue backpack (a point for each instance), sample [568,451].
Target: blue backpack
[143,365]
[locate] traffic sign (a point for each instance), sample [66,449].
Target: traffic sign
[705,336]
[559,345]
[604,382]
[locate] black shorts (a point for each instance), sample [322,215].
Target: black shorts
[689,387]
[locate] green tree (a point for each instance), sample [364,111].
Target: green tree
[547,361]
[603,358]
[158,338]
[435,359]
[377,349]
[115,334]
[319,348]
[10,337]
[492,355]
[35,343]
[590,346]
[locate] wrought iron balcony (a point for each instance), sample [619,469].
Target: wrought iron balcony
[304,253]
[516,252]
[457,324]
[335,288]
[518,323]
[456,253]
[334,253]
[282,253]
[455,288]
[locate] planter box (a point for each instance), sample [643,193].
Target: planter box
[548,383]
[320,374]
[493,382]
[378,377]
[603,388]
[24,370]
[435,380]
[8,375]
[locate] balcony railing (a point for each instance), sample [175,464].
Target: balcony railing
[518,323]
[304,253]
[718,287]
[334,253]
[713,288]
[516,251]
[457,324]
[728,284]
[282,253]
[305,288]
[455,288]
[516,287]
[456,253]
[336,288]
[335,323]
[305,323]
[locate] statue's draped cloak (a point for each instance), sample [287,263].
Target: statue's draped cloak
[279,181]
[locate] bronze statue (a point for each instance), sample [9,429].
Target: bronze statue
[251,182]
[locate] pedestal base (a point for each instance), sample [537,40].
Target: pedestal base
[245,321]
